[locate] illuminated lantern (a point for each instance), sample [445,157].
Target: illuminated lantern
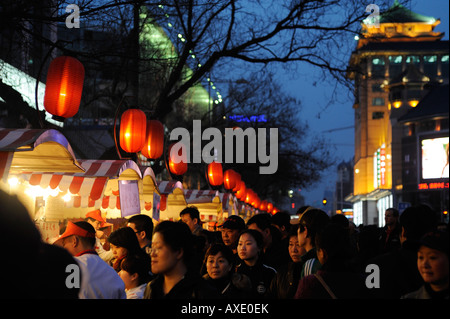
[215,174]
[242,192]
[250,196]
[231,179]
[238,182]
[64,86]
[256,201]
[178,160]
[275,210]
[263,205]
[269,208]
[154,140]
[133,127]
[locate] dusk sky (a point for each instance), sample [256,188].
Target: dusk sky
[322,118]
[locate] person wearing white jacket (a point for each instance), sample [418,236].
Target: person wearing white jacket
[98,279]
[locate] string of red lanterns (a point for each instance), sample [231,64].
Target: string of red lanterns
[231,180]
[64,86]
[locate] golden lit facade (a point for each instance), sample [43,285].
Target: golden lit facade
[392,64]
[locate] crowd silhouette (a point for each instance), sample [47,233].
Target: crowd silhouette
[266,258]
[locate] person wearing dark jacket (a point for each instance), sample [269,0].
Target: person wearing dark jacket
[311,223]
[285,283]
[335,279]
[398,270]
[219,263]
[250,246]
[390,233]
[274,252]
[433,265]
[171,254]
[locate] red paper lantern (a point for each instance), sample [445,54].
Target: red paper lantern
[178,160]
[238,182]
[256,201]
[249,197]
[154,140]
[133,126]
[230,179]
[269,208]
[215,174]
[242,192]
[64,86]
[263,205]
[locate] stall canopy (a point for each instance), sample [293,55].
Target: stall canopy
[208,202]
[33,150]
[96,187]
[172,200]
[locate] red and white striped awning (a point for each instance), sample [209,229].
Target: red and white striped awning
[88,186]
[29,150]
[200,196]
[167,187]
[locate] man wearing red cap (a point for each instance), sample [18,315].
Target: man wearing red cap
[98,279]
[96,220]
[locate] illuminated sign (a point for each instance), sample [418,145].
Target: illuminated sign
[379,167]
[434,158]
[435,185]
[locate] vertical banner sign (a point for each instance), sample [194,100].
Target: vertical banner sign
[156,206]
[129,198]
[383,165]
[375,170]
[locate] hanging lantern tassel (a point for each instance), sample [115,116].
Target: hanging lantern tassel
[215,174]
[64,86]
[154,140]
[133,127]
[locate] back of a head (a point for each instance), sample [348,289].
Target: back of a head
[143,223]
[314,220]
[418,220]
[334,239]
[263,221]
[88,242]
[17,228]
[282,218]
[340,219]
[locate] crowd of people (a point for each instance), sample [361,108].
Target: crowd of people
[313,256]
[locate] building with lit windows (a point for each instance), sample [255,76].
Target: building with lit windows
[396,63]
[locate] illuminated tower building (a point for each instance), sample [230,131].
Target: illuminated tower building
[397,60]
